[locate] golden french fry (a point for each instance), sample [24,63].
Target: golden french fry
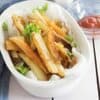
[32,45]
[19,22]
[62,50]
[28,51]
[51,47]
[54,26]
[44,53]
[35,69]
[60,68]
[53,50]
[60,47]
[10,46]
[38,16]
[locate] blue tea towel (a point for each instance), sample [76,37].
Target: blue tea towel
[4,80]
[6,3]
[4,72]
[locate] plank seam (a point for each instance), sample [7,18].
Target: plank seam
[96,69]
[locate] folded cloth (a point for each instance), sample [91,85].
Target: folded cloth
[4,83]
[6,3]
[4,80]
[4,72]
[1,63]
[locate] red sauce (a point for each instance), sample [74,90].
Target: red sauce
[90,22]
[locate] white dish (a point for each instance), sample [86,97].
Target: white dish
[73,76]
[64,2]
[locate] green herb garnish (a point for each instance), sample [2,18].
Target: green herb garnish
[70,54]
[5,26]
[74,44]
[42,9]
[31,27]
[70,39]
[22,69]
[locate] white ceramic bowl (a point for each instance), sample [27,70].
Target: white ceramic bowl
[50,88]
[64,3]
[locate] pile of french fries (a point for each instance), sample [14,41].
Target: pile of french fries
[46,52]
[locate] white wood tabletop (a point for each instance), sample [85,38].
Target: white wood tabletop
[97,48]
[88,89]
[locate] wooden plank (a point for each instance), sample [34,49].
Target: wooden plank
[16,92]
[97,48]
[87,89]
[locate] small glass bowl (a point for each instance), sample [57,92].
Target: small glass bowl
[81,8]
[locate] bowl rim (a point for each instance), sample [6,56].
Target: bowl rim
[30,81]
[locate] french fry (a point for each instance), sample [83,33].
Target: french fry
[53,50]
[19,22]
[62,50]
[55,27]
[38,16]
[51,46]
[44,53]
[60,68]
[10,46]
[28,51]
[64,55]
[51,23]
[32,45]
[35,69]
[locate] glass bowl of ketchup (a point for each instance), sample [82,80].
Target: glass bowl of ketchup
[87,14]
[91,25]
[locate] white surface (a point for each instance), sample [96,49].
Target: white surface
[87,89]
[97,47]
[51,88]
[16,92]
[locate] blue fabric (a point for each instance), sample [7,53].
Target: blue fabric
[4,72]
[4,80]
[4,83]
[6,3]
[1,64]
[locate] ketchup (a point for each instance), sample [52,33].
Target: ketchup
[90,22]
